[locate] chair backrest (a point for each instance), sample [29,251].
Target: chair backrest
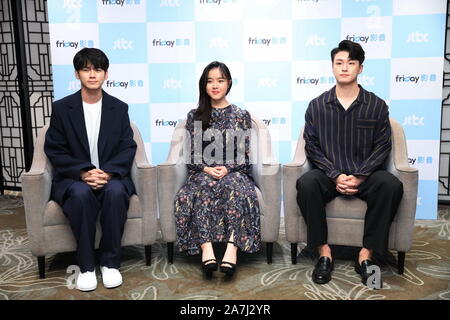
[260,146]
[39,156]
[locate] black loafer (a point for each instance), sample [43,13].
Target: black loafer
[361,269]
[322,270]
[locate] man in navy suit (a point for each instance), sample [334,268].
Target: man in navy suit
[91,148]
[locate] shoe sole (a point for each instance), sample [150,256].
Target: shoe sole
[87,289]
[112,286]
[322,281]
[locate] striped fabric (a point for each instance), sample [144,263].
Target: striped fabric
[355,141]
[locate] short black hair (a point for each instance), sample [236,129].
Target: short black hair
[355,51]
[93,56]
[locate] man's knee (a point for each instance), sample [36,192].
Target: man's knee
[80,191]
[308,180]
[114,188]
[387,181]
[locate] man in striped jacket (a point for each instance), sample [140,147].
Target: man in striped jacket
[348,138]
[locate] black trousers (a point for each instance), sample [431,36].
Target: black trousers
[382,191]
[82,206]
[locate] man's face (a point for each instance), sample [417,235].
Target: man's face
[91,78]
[346,71]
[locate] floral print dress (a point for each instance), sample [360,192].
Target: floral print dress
[209,209]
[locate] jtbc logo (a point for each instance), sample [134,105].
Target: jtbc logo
[413,120]
[417,37]
[72,4]
[316,40]
[268,82]
[123,44]
[219,43]
[172,84]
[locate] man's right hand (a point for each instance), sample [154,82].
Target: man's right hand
[95,178]
[345,185]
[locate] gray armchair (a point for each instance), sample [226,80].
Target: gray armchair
[49,230]
[265,171]
[345,217]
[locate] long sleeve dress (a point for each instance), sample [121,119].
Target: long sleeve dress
[209,209]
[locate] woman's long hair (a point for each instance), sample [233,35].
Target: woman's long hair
[204,109]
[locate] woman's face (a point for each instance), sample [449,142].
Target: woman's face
[217,85]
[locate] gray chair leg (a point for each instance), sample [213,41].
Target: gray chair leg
[41,267]
[148,255]
[401,262]
[269,252]
[170,252]
[294,253]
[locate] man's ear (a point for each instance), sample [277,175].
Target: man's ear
[361,68]
[76,75]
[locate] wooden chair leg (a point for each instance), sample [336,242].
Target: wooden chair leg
[294,253]
[41,267]
[148,255]
[170,252]
[401,262]
[269,252]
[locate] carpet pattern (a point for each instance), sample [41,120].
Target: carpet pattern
[427,270]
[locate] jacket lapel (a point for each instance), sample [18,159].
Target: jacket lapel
[106,123]
[78,122]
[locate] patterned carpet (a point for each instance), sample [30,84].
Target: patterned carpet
[427,271]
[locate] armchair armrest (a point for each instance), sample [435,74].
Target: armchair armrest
[171,177]
[144,177]
[36,188]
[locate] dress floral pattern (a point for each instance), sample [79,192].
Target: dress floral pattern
[209,209]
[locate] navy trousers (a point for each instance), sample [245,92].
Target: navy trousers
[82,206]
[381,190]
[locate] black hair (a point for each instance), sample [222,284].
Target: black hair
[204,108]
[355,51]
[93,56]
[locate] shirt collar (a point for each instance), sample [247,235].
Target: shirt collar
[362,96]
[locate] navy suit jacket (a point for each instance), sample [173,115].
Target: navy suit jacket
[67,147]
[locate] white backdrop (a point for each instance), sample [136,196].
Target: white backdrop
[278,52]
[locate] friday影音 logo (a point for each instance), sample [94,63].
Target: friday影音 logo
[415,79]
[120,3]
[124,84]
[74,44]
[267,41]
[373,37]
[275,121]
[167,123]
[179,42]
[314,81]
[216,2]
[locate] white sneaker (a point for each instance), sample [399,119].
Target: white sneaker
[87,281]
[111,277]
